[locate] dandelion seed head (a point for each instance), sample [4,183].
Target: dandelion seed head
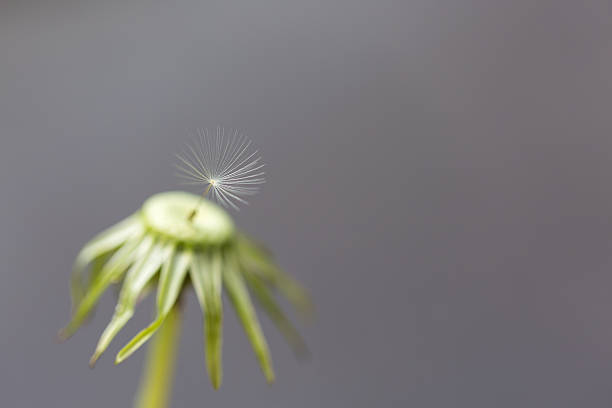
[224,164]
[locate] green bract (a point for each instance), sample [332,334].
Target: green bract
[160,246]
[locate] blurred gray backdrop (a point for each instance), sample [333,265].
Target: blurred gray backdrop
[440,177]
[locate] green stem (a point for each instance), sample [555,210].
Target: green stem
[156,382]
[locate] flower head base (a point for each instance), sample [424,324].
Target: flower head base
[159,246]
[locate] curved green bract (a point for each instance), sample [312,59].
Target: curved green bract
[168,214]
[94,252]
[239,295]
[254,258]
[265,298]
[205,273]
[171,280]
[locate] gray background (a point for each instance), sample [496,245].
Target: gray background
[440,177]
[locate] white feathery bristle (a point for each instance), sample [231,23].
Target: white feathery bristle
[225,161]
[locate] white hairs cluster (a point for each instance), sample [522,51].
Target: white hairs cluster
[225,163]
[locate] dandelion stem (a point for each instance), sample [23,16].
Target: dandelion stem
[194,212]
[156,383]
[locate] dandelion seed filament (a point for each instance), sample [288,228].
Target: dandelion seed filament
[225,163]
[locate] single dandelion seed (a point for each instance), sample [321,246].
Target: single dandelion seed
[225,164]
